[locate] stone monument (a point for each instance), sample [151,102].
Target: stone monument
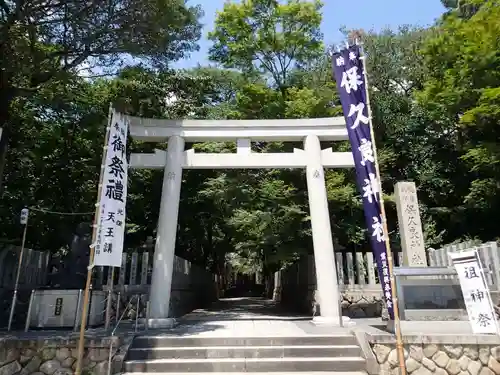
[410,226]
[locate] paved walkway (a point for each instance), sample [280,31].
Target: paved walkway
[247,317]
[242,308]
[258,317]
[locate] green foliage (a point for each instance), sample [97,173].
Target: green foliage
[461,95]
[47,43]
[450,4]
[267,37]
[56,150]
[56,37]
[435,97]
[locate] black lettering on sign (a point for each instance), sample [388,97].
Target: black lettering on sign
[58,307]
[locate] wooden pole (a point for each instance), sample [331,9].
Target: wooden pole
[390,261]
[81,342]
[20,262]
[110,294]
[18,274]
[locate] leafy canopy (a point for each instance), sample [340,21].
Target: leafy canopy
[46,41]
[267,36]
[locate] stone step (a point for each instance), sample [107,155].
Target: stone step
[312,364]
[163,341]
[245,352]
[242,373]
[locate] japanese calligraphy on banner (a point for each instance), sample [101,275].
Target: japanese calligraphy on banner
[111,220]
[348,70]
[475,291]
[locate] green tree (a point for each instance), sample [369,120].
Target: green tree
[56,151]
[44,41]
[462,8]
[53,163]
[249,36]
[462,95]
[407,149]
[226,86]
[267,37]
[450,4]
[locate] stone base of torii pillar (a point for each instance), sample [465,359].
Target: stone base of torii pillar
[161,322]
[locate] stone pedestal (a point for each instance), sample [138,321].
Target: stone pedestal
[161,323]
[325,321]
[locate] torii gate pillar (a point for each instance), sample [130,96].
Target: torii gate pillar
[161,282]
[324,255]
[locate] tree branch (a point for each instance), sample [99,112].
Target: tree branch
[274,70]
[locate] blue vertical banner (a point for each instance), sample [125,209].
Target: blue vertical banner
[348,70]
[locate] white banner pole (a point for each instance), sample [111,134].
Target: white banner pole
[81,342]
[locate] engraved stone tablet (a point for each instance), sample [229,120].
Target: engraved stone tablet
[410,226]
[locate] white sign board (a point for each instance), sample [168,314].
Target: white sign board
[24,216]
[111,220]
[475,291]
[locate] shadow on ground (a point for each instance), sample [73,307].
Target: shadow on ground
[242,308]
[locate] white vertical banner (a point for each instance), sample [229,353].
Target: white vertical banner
[111,221]
[475,291]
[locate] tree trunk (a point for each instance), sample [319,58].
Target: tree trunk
[6,98]
[208,248]
[4,146]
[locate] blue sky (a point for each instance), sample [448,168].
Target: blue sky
[365,14]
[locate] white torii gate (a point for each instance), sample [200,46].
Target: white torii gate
[172,161]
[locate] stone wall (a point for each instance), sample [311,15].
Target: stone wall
[298,285]
[361,303]
[57,356]
[444,355]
